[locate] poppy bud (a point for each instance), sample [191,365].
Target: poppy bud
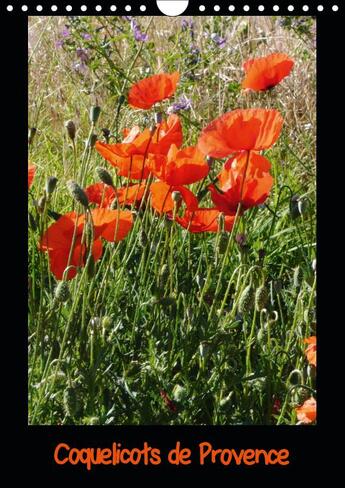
[104,176]
[223,242]
[31,135]
[41,203]
[200,280]
[295,377]
[32,221]
[95,323]
[71,401]
[246,301]
[158,117]
[179,393]
[143,238]
[241,240]
[122,99]
[51,184]
[93,140]
[163,275]
[261,297]
[106,134]
[262,335]
[78,193]
[205,348]
[70,127]
[94,114]
[62,293]
[297,275]
[294,212]
[209,161]
[91,267]
[176,196]
[106,322]
[303,206]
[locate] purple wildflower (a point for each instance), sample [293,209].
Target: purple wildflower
[183,103]
[65,32]
[220,41]
[138,35]
[59,43]
[127,17]
[82,55]
[86,36]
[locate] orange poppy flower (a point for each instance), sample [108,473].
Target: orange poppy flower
[161,197]
[103,195]
[204,220]
[306,413]
[310,352]
[58,238]
[31,174]
[153,89]
[241,130]
[182,167]
[252,192]
[266,72]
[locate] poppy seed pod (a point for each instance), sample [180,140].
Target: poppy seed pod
[62,293]
[70,127]
[31,135]
[51,184]
[104,176]
[246,301]
[78,193]
[94,114]
[176,196]
[261,297]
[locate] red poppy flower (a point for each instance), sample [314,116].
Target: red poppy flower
[306,413]
[58,238]
[204,220]
[31,174]
[252,192]
[266,72]
[133,156]
[161,197]
[182,167]
[153,89]
[241,130]
[103,195]
[310,352]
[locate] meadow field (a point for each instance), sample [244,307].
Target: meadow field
[172,220]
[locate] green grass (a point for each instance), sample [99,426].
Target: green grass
[164,314]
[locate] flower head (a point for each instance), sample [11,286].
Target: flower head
[153,89]
[306,413]
[112,225]
[266,72]
[204,220]
[310,352]
[241,130]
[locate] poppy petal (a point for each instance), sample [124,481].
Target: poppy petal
[153,89]
[241,130]
[266,72]
[31,174]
